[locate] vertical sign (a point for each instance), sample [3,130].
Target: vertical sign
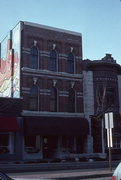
[109,126]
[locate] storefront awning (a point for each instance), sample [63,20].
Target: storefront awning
[56,126]
[8,124]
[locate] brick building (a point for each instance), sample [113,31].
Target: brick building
[102,94]
[42,66]
[51,99]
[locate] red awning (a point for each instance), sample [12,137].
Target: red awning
[8,124]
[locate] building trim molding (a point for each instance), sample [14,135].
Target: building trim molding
[57,75]
[52,28]
[51,114]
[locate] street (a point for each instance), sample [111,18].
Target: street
[92,174]
[104,178]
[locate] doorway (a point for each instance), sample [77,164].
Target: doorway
[49,146]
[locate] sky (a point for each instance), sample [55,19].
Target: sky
[99,21]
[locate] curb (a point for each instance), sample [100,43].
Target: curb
[85,177]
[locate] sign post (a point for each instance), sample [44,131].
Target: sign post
[109,126]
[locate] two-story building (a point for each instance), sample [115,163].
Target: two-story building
[102,94]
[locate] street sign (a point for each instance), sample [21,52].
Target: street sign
[109,125]
[109,120]
[109,138]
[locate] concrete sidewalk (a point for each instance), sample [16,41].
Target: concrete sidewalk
[64,174]
[62,166]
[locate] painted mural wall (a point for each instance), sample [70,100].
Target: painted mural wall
[16,59]
[6,67]
[10,64]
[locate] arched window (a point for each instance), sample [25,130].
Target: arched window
[71,100]
[110,96]
[34,58]
[34,98]
[53,60]
[70,63]
[53,100]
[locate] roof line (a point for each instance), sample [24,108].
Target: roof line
[52,28]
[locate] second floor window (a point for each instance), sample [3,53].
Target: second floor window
[53,60]
[34,58]
[71,100]
[53,100]
[34,98]
[70,63]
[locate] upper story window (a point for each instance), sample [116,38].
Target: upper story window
[71,100]
[110,96]
[53,60]
[34,57]
[53,100]
[70,63]
[34,98]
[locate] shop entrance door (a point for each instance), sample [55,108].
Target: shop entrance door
[49,146]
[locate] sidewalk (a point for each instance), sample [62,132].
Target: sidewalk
[64,174]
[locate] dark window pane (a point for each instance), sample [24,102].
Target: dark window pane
[32,144]
[70,63]
[34,90]
[71,100]
[34,58]
[53,100]
[33,103]
[67,144]
[110,96]
[34,98]
[53,59]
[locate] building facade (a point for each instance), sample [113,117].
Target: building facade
[50,96]
[103,96]
[45,72]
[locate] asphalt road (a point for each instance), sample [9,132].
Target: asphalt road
[101,174]
[104,178]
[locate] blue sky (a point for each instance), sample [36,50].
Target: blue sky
[99,21]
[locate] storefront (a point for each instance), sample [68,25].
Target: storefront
[54,137]
[10,128]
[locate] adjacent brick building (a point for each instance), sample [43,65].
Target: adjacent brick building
[102,94]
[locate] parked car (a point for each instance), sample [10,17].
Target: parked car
[117,173]
[4,176]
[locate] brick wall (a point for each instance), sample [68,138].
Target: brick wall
[45,39]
